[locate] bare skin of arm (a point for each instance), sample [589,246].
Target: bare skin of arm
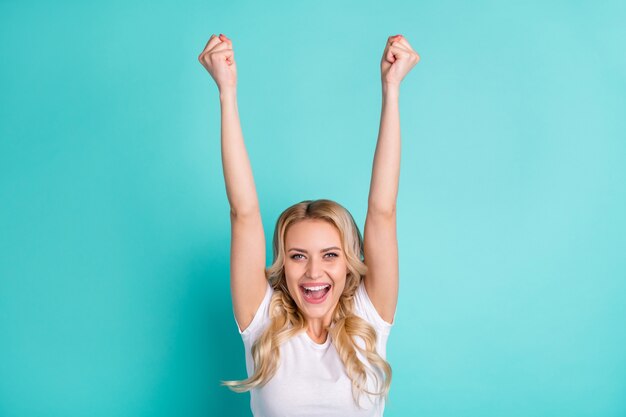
[247,255]
[380,237]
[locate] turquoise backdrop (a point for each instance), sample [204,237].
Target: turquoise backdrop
[114,225]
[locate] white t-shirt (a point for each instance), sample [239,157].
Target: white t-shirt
[311,380]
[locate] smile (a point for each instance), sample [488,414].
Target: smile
[315,294]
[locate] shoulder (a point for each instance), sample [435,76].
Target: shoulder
[260,319]
[364,308]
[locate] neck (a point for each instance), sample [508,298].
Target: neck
[317,330]
[316,327]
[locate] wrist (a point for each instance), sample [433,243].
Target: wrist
[228,93]
[391,90]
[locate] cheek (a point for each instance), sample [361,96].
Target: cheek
[340,270]
[340,274]
[291,279]
[290,274]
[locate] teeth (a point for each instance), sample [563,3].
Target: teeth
[319,287]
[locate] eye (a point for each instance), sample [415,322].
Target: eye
[294,256]
[333,253]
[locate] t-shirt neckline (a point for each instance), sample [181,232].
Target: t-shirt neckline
[315,344]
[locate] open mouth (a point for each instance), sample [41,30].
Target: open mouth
[315,294]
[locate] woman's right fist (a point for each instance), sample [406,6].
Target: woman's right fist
[219,60]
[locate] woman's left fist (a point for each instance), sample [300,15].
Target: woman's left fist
[398,59]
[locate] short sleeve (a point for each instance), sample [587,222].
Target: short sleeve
[364,308]
[260,319]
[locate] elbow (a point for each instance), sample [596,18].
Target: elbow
[244,212]
[382,210]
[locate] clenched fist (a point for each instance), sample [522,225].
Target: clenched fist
[398,59]
[218,58]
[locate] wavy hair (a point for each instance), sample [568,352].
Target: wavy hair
[345,329]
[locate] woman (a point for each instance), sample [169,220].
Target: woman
[315,323]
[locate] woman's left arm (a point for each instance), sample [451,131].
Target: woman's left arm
[380,240]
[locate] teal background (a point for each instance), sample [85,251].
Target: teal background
[114,226]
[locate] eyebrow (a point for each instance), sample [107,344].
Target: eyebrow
[323,250]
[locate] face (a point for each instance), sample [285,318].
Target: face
[315,267]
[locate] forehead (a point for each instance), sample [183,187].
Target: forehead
[312,233]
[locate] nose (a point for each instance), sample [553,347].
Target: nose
[314,268]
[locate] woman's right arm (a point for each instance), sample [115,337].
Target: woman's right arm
[247,255]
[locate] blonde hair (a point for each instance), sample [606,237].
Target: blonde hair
[287,321]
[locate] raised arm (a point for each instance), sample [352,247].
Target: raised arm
[380,239]
[247,256]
